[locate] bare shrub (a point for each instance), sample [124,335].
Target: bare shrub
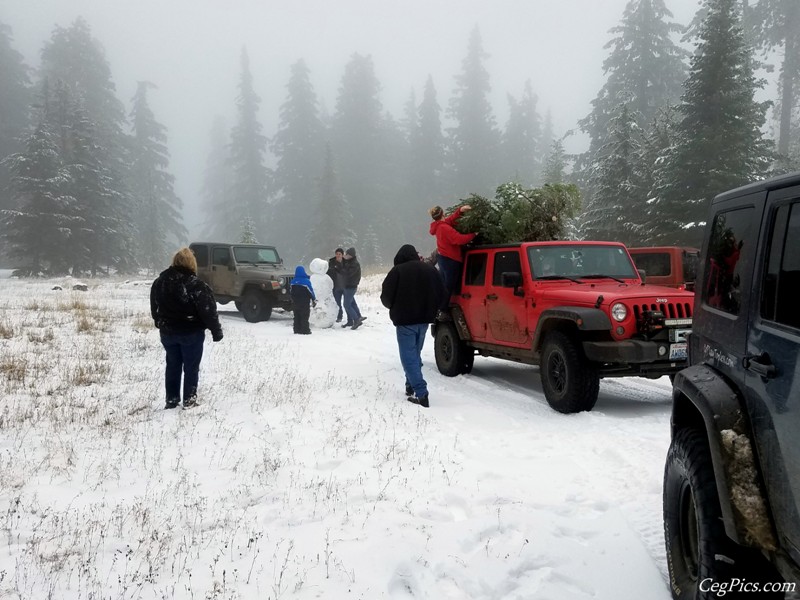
[6,330]
[41,337]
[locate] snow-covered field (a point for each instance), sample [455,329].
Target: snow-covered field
[306,474]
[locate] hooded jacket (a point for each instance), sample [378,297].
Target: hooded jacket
[180,303]
[413,289]
[302,279]
[448,240]
[351,270]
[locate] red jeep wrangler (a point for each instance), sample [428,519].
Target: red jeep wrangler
[579,310]
[672,266]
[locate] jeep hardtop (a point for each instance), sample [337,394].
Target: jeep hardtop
[250,275]
[577,309]
[672,266]
[732,474]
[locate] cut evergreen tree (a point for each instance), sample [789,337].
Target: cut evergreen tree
[519,214]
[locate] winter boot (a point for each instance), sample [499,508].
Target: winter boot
[423,401]
[409,390]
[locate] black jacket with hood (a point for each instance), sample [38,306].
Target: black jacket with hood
[351,270]
[180,303]
[413,289]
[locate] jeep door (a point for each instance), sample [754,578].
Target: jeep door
[772,363]
[473,293]
[505,310]
[223,271]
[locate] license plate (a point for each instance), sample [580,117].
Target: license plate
[677,351]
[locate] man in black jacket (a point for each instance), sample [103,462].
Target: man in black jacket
[351,277]
[183,307]
[413,292]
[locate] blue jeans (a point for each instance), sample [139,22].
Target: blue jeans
[184,352]
[410,339]
[451,275]
[350,306]
[337,295]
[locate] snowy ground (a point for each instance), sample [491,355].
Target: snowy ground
[306,474]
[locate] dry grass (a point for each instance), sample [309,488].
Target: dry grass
[6,330]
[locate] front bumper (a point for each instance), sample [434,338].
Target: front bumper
[630,352]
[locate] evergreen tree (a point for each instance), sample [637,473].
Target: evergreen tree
[248,232]
[299,148]
[14,101]
[427,158]
[645,67]
[777,24]
[718,142]
[333,218]
[474,140]
[36,228]
[158,209]
[617,207]
[357,143]
[522,138]
[556,164]
[248,147]
[221,223]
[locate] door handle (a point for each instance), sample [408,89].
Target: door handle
[760,364]
[466,296]
[491,297]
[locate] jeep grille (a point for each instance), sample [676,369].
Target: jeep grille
[671,310]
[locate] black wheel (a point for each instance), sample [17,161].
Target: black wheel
[570,382]
[253,306]
[266,311]
[238,304]
[697,547]
[453,357]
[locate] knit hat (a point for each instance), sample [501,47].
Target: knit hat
[351,252]
[436,213]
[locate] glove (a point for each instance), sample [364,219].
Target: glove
[216,336]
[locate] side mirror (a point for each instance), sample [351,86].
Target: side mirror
[512,280]
[643,275]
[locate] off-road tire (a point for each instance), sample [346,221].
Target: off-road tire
[453,356]
[238,304]
[697,547]
[570,382]
[254,305]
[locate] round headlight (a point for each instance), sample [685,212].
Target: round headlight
[619,312]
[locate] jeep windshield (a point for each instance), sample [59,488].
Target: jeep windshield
[256,256]
[580,261]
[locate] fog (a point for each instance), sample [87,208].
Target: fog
[190,50]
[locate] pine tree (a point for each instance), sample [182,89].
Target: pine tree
[358,145]
[247,151]
[299,148]
[221,223]
[36,229]
[556,164]
[474,139]
[616,209]
[645,68]
[158,208]
[777,24]
[333,220]
[718,142]
[248,232]
[14,100]
[521,140]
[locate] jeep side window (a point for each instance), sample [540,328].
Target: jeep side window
[505,262]
[730,236]
[690,260]
[201,254]
[654,264]
[221,256]
[782,276]
[475,272]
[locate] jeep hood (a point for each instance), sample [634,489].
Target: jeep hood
[612,291]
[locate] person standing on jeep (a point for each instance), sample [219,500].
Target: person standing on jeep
[335,266]
[351,271]
[449,249]
[412,291]
[183,307]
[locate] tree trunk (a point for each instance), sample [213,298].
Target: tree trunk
[788,75]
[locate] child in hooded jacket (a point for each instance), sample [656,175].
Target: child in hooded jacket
[302,297]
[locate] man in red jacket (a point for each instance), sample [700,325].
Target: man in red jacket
[448,246]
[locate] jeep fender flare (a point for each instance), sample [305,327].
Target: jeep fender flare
[702,398]
[581,318]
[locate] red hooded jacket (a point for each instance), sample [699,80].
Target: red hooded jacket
[448,240]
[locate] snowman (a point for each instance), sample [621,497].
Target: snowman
[323,315]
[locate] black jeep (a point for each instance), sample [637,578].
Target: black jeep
[732,476]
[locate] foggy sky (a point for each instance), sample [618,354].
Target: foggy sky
[190,50]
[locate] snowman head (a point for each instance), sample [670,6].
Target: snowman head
[319,266]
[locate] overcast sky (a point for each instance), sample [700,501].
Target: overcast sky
[190,49]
